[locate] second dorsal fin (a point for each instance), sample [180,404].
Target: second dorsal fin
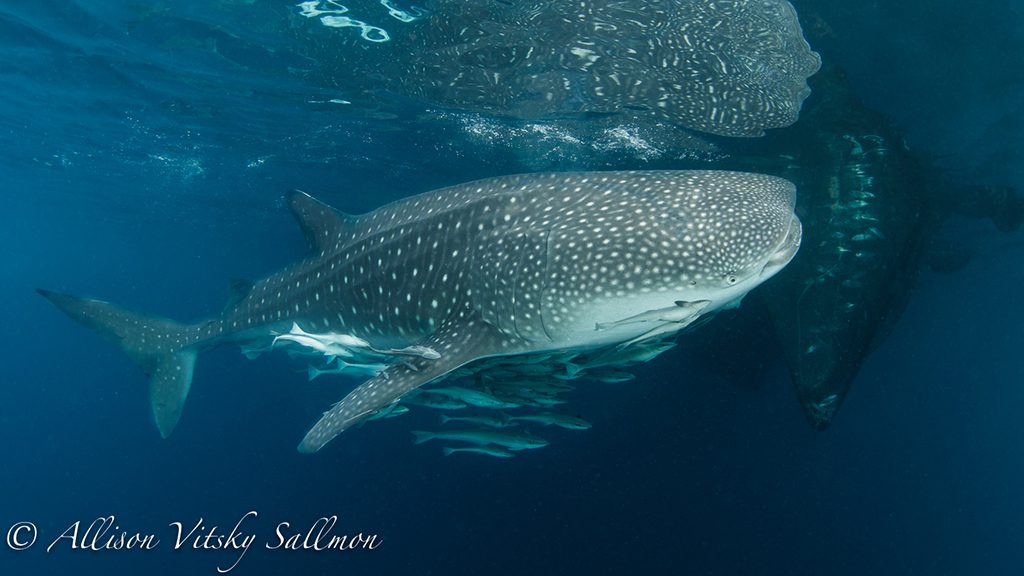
[322,225]
[239,289]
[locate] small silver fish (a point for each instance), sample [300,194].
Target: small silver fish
[342,367]
[435,402]
[392,411]
[609,376]
[560,420]
[473,397]
[540,401]
[252,350]
[510,440]
[499,420]
[486,449]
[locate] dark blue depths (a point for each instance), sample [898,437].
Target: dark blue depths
[149,176]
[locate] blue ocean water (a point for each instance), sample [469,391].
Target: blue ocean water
[145,149]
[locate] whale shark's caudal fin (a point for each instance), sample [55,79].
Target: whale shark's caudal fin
[165,350]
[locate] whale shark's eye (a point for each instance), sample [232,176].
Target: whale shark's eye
[731,279]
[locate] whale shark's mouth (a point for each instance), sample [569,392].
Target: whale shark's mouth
[786,249]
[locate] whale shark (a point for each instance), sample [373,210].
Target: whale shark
[731,68]
[509,266]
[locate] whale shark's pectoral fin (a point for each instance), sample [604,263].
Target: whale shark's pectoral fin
[456,343]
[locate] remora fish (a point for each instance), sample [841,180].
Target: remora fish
[342,367]
[390,411]
[499,420]
[486,449]
[560,420]
[505,266]
[509,440]
[332,344]
[435,402]
[472,397]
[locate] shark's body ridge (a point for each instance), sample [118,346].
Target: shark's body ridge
[506,266]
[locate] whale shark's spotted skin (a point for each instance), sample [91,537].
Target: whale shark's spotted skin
[726,67]
[505,266]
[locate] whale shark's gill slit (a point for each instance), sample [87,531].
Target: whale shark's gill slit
[545,274]
[517,272]
[528,285]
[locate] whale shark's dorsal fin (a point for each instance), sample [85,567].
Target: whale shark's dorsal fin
[458,342]
[323,226]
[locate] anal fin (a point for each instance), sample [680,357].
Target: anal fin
[457,343]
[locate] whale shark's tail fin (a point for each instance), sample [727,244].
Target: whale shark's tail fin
[164,349]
